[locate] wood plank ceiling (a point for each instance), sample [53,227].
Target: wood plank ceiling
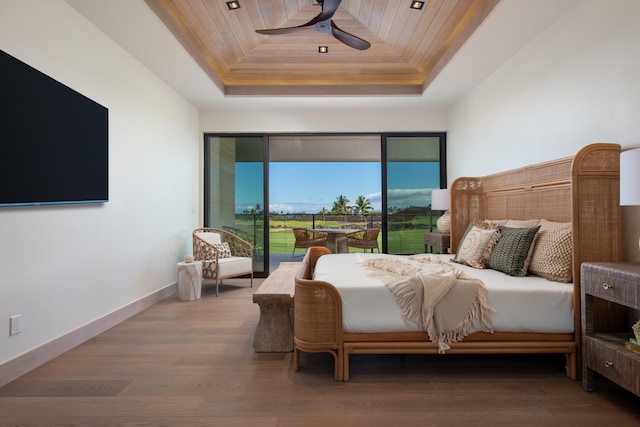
[408,47]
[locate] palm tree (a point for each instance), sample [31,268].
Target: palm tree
[362,206]
[324,212]
[256,210]
[341,207]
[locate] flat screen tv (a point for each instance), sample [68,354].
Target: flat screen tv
[54,143]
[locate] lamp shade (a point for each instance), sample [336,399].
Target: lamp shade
[440,200]
[630,177]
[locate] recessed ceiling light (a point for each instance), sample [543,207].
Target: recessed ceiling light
[418,5]
[323,49]
[233,5]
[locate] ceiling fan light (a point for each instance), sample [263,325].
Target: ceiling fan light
[323,49]
[418,5]
[233,5]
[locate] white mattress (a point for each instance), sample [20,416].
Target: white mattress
[523,304]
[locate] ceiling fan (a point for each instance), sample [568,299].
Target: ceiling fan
[323,23]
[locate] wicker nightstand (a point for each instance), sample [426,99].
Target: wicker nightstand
[604,330]
[439,240]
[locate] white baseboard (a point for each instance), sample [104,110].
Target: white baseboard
[24,363]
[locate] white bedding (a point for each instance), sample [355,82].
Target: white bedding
[523,304]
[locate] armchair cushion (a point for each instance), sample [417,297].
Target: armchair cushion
[234,266]
[210,237]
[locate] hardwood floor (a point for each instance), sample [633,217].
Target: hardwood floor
[193,364]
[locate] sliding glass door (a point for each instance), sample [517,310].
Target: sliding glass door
[327,182]
[383,180]
[413,166]
[235,197]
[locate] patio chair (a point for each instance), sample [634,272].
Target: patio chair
[305,238]
[223,255]
[364,239]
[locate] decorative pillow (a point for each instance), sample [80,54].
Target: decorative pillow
[494,223]
[521,223]
[512,252]
[479,224]
[223,249]
[469,227]
[552,256]
[475,248]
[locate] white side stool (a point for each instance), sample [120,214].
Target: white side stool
[189,280]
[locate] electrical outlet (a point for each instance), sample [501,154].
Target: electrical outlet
[15,324]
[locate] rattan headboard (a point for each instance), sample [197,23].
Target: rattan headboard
[583,189]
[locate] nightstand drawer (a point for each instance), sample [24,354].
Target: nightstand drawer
[608,290]
[605,281]
[610,359]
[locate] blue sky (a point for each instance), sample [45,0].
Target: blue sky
[310,186]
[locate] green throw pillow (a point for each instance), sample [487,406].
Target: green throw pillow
[511,253]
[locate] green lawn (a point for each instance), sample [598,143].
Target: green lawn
[281,239]
[407,241]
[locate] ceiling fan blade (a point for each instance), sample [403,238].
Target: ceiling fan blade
[329,8]
[319,23]
[318,18]
[275,31]
[349,39]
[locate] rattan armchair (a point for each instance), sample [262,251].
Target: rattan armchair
[223,255]
[364,239]
[306,238]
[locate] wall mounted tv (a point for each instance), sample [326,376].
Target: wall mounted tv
[54,142]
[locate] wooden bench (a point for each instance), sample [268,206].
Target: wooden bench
[274,333]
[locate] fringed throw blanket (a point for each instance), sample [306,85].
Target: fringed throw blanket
[442,300]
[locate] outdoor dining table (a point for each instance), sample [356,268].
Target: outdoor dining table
[336,239]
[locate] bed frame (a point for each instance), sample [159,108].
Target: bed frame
[583,189]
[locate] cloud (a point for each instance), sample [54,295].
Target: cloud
[398,198]
[297,207]
[402,198]
[376,200]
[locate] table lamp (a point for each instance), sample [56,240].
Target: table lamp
[440,201]
[630,178]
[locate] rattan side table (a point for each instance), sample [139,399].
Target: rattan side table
[604,332]
[438,240]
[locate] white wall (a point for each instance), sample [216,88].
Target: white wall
[327,115]
[62,267]
[575,84]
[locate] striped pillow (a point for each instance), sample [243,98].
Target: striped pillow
[512,253]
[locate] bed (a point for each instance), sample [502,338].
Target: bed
[581,191]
